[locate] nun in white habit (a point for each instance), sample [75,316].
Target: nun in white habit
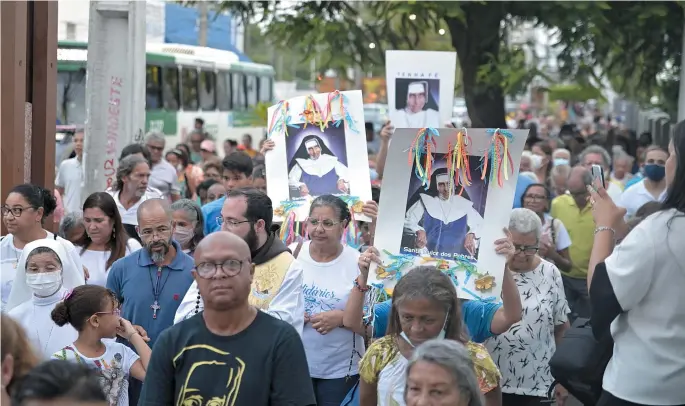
[45,273]
[418,111]
[315,170]
[443,222]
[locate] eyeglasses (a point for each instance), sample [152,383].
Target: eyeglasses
[526,249]
[535,198]
[16,211]
[115,312]
[153,148]
[149,232]
[325,224]
[231,267]
[230,223]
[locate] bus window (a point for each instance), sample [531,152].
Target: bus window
[170,90]
[153,88]
[189,86]
[251,91]
[265,89]
[71,97]
[223,91]
[238,91]
[207,93]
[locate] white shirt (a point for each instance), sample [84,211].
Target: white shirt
[559,234]
[114,368]
[614,191]
[636,196]
[70,178]
[9,258]
[317,167]
[45,336]
[130,215]
[96,262]
[522,353]
[647,273]
[327,287]
[447,211]
[422,119]
[287,305]
[164,178]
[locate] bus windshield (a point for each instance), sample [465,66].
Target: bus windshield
[71,97]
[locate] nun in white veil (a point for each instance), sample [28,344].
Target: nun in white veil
[51,274]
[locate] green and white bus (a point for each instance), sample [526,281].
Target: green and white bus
[183,82]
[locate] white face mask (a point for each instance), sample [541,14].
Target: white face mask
[44,284]
[536,161]
[440,336]
[183,235]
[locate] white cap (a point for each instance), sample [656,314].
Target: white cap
[442,178]
[417,87]
[311,143]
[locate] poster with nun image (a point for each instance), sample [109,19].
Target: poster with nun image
[452,217]
[420,87]
[320,149]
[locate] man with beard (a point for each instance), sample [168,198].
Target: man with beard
[150,282]
[277,283]
[230,353]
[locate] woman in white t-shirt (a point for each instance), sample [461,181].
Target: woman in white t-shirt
[636,292]
[329,273]
[23,214]
[555,241]
[104,240]
[94,312]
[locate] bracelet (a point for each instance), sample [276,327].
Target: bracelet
[604,228]
[359,288]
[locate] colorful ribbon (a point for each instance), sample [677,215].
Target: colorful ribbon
[344,115]
[290,229]
[498,157]
[313,114]
[458,161]
[421,154]
[280,119]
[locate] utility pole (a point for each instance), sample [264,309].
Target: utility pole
[202,32]
[115,88]
[681,92]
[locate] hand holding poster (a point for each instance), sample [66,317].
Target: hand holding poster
[320,148]
[457,190]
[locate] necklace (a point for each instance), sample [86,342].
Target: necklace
[157,289]
[47,342]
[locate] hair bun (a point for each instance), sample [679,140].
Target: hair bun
[60,314]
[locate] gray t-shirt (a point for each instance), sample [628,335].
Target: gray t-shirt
[164,178]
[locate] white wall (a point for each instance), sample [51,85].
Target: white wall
[75,13]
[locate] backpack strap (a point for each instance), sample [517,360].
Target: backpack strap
[297,250]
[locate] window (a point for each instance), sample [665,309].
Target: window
[71,97]
[153,87]
[189,86]
[71,31]
[238,91]
[251,91]
[223,91]
[207,90]
[265,89]
[170,89]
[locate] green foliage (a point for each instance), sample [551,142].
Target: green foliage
[574,92]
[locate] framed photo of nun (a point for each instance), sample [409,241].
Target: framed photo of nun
[436,214]
[320,148]
[420,87]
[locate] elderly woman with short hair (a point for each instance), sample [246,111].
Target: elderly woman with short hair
[523,352]
[441,372]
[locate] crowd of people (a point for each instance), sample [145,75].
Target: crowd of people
[173,286]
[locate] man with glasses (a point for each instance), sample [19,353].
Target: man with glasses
[277,283]
[151,282]
[231,353]
[163,175]
[574,211]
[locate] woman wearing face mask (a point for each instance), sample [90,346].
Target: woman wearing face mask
[17,357]
[424,307]
[189,224]
[23,213]
[542,160]
[329,271]
[652,188]
[45,273]
[104,240]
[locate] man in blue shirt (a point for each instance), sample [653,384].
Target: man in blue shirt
[237,173]
[151,282]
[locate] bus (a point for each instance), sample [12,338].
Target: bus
[182,83]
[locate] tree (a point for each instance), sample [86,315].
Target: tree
[478,32]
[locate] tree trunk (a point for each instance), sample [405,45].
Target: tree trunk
[477,41]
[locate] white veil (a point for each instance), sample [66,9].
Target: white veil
[72,274]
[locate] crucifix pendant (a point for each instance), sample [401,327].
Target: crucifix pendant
[155,307]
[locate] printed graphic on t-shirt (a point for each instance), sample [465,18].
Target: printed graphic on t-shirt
[318,300]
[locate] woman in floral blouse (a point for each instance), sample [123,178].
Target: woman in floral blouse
[424,307]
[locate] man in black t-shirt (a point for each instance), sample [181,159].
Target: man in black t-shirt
[231,353]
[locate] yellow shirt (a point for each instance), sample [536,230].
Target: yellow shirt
[581,228]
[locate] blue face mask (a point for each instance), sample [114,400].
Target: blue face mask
[440,336]
[654,172]
[561,161]
[373,174]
